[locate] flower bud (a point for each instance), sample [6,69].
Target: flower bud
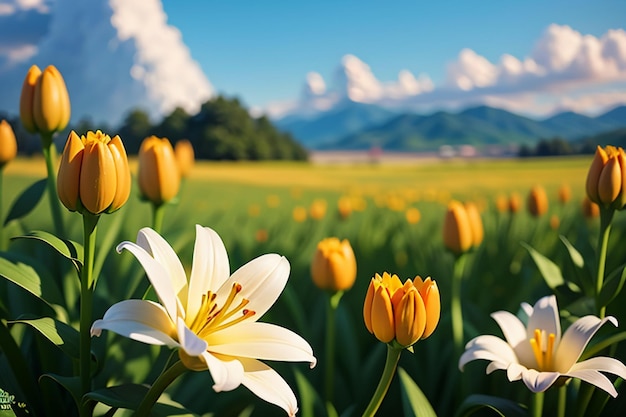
[565,194]
[401,313]
[462,227]
[8,143]
[515,203]
[317,211]
[537,202]
[606,177]
[590,209]
[93,174]
[159,178]
[185,156]
[334,265]
[44,103]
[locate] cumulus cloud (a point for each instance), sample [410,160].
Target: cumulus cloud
[563,66]
[115,55]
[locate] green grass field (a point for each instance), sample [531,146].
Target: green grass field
[251,206]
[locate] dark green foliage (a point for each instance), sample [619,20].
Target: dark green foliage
[222,130]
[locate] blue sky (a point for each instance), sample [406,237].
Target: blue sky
[262,51]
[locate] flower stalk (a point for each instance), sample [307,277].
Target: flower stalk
[333,303]
[49,153]
[606,216]
[391,363]
[158,213]
[536,405]
[455,304]
[160,385]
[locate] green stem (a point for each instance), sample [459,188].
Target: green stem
[87,284]
[155,391]
[158,211]
[606,215]
[391,363]
[3,245]
[49,153]
[562,401]
[584,396]
[455,305]
[333,303]
[536,406]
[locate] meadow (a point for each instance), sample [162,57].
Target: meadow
[393,217]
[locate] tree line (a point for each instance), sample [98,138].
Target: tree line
[222,130]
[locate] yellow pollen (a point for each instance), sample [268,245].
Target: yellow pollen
[543,349]
[211,318]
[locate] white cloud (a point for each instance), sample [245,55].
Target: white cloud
[561,72]
[114,55]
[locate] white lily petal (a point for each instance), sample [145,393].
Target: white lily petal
[154,243]
[140,320]
[487,347]
[261,341]
[496,366]
[527,309]
[515,371]
[267,384]
[158,276]
[545,316]
[262,280]
[189,341]
[604,364]
[575,340]
[539,381]
[594,378]
[515,333]
[209,271]
[227,374]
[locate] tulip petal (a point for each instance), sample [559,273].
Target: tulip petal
[227,373]
[163,253]
[189,341]
[594,377]
[515,333]
[487,347]
[539,381]
[158,276]
[210,268]
[141,320]
[575,340]
[545,316]
[261,341]
[262,280]
[268,385]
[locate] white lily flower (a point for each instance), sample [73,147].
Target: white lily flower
[538,355]
[212,318]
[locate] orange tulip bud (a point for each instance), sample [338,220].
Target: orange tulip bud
[590,209]
[476,223]
[334,265]
[159,178]
[8,143]
[413,215]
[462,227]
[515,203]
[93,175]
[317,211]
[565,194]
[606,177]
[185,156]
[45,103]
[27,99]
[537,201]
[401,313]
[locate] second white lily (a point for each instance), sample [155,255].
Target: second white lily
[212,317]
[538,355]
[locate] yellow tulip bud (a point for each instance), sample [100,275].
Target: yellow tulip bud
[476,223]
[299,214]
[93,175]
[51,102]
[28,98]
[457,230]
[565,194]
[401,313]
[8,143]
[606,177]
[317,211]
[515,203]
[159,178]
[590,209]
[413,215]
[537,201]
[185,156]
[344,206]
[334,265]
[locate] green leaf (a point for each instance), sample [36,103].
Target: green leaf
[70,383]
[26,201]
[611,288]
[575,256]
[129,396]
[64,336]
[502,406]
[307,394]
[67,248]
[549,270]
[17,269]
[414,402]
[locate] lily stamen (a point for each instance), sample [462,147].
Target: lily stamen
[542,348]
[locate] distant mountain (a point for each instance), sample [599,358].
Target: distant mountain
[335,124]
[477,126]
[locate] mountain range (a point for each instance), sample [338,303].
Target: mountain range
[358,126]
